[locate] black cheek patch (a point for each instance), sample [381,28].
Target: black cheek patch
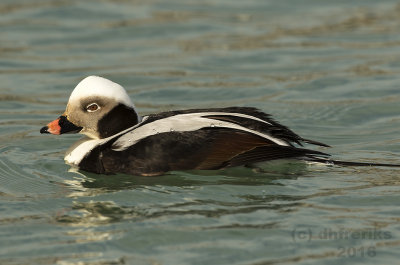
[118,119]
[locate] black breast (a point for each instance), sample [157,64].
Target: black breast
[118,119]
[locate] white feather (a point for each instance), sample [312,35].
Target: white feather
[184,123]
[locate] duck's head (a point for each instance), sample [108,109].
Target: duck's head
[98,108]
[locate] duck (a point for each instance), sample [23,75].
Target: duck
[119,140]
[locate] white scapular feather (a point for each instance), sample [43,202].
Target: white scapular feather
[184,123]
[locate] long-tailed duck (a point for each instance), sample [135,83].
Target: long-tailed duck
[121,141]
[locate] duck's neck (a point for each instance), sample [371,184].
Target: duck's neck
[118,119]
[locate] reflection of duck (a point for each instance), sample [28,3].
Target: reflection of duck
[122,141]
[248,176]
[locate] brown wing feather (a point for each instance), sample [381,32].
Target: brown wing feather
[234,148]
[227,145]
[266,153]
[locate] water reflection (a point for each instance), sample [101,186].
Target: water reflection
[92,213]
[182,194]
[261,174]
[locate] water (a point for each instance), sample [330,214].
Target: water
[328,69]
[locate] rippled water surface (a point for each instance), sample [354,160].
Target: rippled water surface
[330,70]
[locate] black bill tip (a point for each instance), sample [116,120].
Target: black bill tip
[44,129]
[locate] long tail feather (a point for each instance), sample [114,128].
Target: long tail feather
[314,142]
[349,163]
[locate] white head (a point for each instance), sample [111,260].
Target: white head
[98,108]
[99,86]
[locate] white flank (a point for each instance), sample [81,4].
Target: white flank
[183,123]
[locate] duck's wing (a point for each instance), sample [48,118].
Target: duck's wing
[242,118]
[229,148]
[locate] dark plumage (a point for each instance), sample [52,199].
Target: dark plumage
[207,148]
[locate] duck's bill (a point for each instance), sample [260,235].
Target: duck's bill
[60,126]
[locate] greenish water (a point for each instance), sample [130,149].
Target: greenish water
[328,69]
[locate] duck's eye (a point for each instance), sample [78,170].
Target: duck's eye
[92,107]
